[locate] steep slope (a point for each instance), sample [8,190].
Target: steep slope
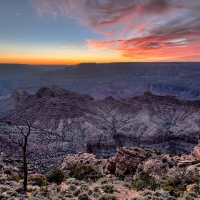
[99,127]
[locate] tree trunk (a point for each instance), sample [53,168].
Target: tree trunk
[25,171]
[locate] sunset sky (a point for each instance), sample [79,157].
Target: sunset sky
[75,31]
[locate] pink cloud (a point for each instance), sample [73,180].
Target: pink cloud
[140,29]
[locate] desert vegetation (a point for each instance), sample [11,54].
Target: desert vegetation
[85,183]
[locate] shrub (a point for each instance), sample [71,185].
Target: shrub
[107,197]
[83,196]
[178,180]
[59,197]
[86,172]
[90,192]
[173,191]
[3,197]
[164,159]
[72,187]
[38,197]
[20,189]
[108,189]
[44,190]
[76,192]
[144,180]
[37,180]
[8,171]
[56,176]
[104,181]
[189,198]
[96,194]
[192,194]
[4,189]
[84,187]
[121,177]
[159,152]
[96,189]
[13,177]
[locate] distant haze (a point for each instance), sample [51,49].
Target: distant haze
[119,80]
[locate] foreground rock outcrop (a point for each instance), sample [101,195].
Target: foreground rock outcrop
[72,161]
[133,160]
[127,160]
[133,172]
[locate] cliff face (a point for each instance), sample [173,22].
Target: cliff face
[100,127]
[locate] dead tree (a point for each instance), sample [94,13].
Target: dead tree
[18,146]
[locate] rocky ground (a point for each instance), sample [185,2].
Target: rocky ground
[132,174]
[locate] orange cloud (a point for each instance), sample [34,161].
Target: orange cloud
[148,30]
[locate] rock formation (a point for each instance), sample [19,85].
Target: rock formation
[99,127]
[72,161]
[196,152]
[127,160]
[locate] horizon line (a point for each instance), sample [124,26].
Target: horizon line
[98,63]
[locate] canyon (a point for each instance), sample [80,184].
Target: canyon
[64,122]
[119,80]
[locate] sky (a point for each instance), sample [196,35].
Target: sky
[75,31]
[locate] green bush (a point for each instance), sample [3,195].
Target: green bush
[56,176]
[96,189]
[13,177]
[83,196]
[8,171]
[121,177]
[84,187]
[164,159]
[108,189]
[20,189]
[159,152]
[3,197]
[59,197]
[76,192]
[96,194]
[86,172]
[72,187]
[145,181]
[192,194]
[37,180]
[172,190]
[189,198]
[178,180]
[90,192]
